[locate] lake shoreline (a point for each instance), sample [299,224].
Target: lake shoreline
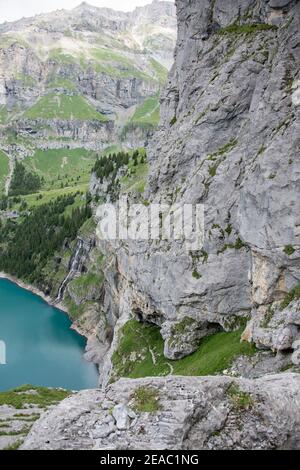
[44,329]
[59,306]
[35,291]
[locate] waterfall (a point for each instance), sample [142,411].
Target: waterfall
[74,265]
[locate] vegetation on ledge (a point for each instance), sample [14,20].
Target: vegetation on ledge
[62,168]
[147,112]
[3,114]
[23,181]
[289,250]
[145,117]
[25,406]
[88,285]
[247,28]
[160,71]
[240,399]
[140,353]
[294,294]
[132,177]
[42,397]
[146,400]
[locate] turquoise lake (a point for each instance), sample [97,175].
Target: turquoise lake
[41,349]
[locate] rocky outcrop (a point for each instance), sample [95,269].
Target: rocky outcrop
[276,329]
[179,413]
[228,139]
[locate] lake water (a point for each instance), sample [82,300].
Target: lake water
[41,349]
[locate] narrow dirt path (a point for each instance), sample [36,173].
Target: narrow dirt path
[152,356]
[171,368]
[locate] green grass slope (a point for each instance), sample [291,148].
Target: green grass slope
[45,197]
[139,344]
[43,397]
[64,107]
[61,83]
[147,113]
[62,167]
[4,170]
[116,65]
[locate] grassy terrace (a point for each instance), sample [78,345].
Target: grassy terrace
[62,57]
[27,403]
[105,55]
[44,197]
[140,343]
[137,181]
[47,196]
[3,114]
[105,61]
[4,169]
[68,171]
[116,65]
[62,167]
[59,106]
[12,137]
[26,80]
[43,397]
[81,285]
[147,112]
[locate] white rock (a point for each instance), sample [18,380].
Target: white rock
[123,415]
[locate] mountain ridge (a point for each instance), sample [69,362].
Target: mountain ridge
[152,9]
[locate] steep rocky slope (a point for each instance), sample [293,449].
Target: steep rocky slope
[228,139]
[20,408]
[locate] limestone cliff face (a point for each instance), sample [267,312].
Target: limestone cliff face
[228,139]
